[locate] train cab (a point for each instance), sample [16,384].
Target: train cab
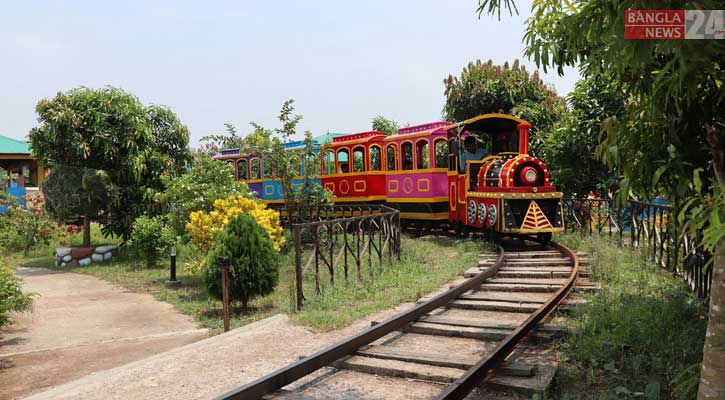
[417,161]
[508,191]
[352,168]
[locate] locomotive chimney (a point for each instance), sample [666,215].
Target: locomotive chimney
[524,137]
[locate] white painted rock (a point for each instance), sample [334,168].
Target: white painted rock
[97,257]
[67,258]
[62,251]
[84,261]
[63,265]
[106,248]
[107,256]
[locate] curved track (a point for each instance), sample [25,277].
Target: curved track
[472,378]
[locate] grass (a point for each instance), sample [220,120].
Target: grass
[424,266]
[640,337]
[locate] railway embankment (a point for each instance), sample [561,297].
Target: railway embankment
[641,336]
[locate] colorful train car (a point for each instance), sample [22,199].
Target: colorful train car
[352,168]
[416,178]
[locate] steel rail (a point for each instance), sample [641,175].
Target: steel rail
[283,377]
[474,376]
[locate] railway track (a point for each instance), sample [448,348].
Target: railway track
[530,283]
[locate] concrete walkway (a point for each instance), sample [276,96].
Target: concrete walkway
[80,325]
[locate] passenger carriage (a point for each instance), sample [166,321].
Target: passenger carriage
[417,172]
[353,170]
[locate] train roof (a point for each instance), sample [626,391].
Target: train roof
[293,145]
[419,129]
[358,137]
[488,123]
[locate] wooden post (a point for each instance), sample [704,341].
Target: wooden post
[225,291]
[298,266]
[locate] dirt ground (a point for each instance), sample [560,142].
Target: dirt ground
[80,325]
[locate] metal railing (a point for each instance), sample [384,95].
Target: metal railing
[343,240]
[651,228]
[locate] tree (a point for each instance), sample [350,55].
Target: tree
[387,126]
[570,149]
[196,190]
[253,261]
[150,238]
[486,88]
[284,165]
[111,133]
[675,118]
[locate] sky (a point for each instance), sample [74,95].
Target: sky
[214,62]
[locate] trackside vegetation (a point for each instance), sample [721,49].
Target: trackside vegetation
[640,337]
[425,265]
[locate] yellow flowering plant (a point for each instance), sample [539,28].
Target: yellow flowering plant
[203,227]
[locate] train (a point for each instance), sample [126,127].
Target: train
[419,172]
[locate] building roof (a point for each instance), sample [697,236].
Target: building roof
[13,146]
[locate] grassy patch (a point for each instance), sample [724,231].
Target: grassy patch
[640,337]
[424,266]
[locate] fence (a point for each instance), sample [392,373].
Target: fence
[648,227]
[341,239]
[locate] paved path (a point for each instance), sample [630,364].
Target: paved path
[80,325]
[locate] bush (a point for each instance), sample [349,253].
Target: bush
[11,296]
[150,238]
[196,190]
[204,227]
[26,226]
[253,268]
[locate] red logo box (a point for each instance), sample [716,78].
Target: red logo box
[654,24]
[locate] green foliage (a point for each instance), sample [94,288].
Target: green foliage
[109,130]
[254,263]
[12,297]
[197,189]
[387,126]
[675,111]
[570,149]
[621,342]
[24,227]
[151,238]
[76,192]
[284,164]
[487,88]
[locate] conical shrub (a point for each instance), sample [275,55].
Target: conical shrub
[254,263]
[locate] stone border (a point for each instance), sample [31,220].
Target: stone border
[73,256]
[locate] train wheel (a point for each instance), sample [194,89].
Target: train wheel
[544,237]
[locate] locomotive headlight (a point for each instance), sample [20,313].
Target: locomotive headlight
[529,175]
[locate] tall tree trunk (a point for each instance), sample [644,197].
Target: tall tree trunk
[86,231]
[712,375]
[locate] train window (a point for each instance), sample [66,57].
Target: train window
[440,147]
[242,170]
[406,151]
[343,161]
[296,163]
[267,170]
[358,159]
[453,150]
[375,156]
[392,161]
[311,167]
[256,168]
[422,154]
[328,163]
